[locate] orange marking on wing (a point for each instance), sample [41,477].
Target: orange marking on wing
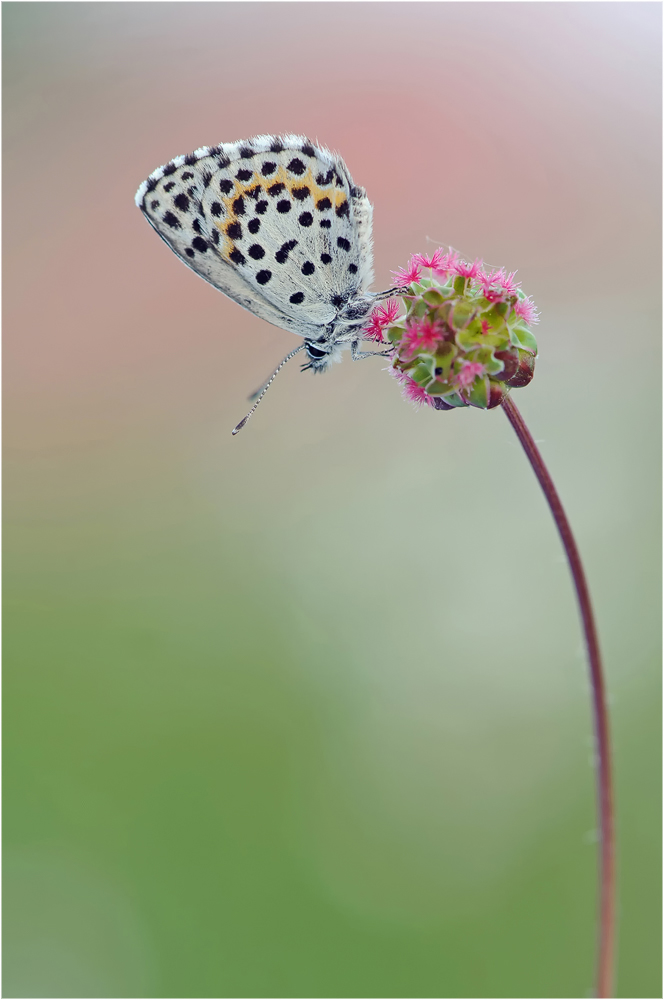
[336,196]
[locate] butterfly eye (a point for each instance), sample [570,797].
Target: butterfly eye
[315,353]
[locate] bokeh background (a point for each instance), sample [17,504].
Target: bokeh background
[305,712]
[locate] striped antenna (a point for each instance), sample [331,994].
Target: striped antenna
[267,385]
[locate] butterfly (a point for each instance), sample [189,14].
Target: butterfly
[277,224]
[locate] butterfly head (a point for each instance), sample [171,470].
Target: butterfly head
[344,331]
[321,355]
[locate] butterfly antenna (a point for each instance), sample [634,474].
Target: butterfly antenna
[267,386]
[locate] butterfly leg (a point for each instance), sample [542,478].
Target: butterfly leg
[387,294]
[356,354]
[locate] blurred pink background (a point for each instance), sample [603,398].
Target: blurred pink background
[406,555]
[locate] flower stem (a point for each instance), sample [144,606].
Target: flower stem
[607,861]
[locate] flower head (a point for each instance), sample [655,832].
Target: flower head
[462,342]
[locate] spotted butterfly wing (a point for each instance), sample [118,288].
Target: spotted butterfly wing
[274,222]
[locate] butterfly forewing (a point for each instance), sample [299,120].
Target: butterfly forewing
[273,222]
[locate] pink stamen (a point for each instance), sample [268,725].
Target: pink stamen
[466,270]
[381,317]
[411,390]
[525,308]
[469,372]
[406,276]
[422,335]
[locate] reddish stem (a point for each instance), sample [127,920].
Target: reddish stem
[607,861]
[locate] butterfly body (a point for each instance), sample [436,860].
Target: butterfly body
[277,224]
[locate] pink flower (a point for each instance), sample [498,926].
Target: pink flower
[416,394]
[498,285]
[446,263]
[525,308]
[406,276]
[411,390]
[466,270]
[430,262]
[439,262]
[469,372]
[485,326]
[381,317]
[422,335]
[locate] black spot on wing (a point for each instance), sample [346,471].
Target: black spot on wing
[281,256]
[296,166]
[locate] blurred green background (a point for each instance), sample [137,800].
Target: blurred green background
[304,713]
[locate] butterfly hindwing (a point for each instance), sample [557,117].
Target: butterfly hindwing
[274,222]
